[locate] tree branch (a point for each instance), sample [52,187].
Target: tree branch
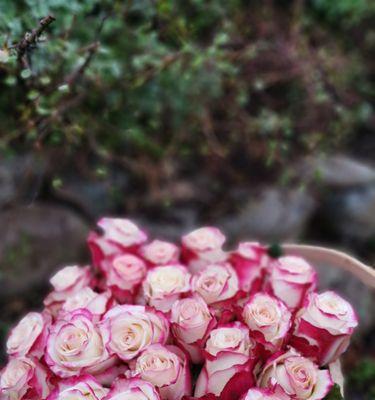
[30,39]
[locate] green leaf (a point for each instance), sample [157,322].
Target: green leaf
[334,394]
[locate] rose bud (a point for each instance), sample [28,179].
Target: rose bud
[75,346]
[202,247]
[29,336]
[250,261]
[229,362]
[23,378]
[166,367]
[124,275]
[216,283]
[324,327]
[132,389]
[265,394]
[298,376]
[96,303]
[159,252]
[117,236]
[164,285]
[191,323]
[268,319]
[84,387]
[291,279]
[129,329]
[66,282]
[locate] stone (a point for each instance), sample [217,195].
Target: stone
[273,215]
[37,240]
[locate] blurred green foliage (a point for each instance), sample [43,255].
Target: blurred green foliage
[186,83]
[362,378]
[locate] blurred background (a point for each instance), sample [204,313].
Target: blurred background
[255,116]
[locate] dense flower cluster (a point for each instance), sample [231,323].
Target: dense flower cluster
[149,313]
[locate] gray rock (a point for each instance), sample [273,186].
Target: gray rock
[271,215]
[340,171]
[36,240]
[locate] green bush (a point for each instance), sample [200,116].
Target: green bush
[190,83]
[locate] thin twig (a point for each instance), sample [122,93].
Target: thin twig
[30,39]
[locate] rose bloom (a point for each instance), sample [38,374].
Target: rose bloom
[216,282]
[250,261]
[159,252]
[268,320]
[96,303]
[202,247]
[66,282]
[265,394]
[228,354]
[191,323]
[164,285]
[129,329]
[23,378]
[298,376]
[166,368]
[324,327]
[75,345]
[125,274]
[84,387]
[116,237]
[291,279]
[29,336]
[132,389]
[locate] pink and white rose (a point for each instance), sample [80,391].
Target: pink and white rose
[265,394]
[216,283]
[124,275]
[76,346]
[202,247]
[159,252]
[268,319]
[229,362]
[298,376]
[29,336]
[191,323]
[66,282]
[164,285]
[84,387]
[250,261]
[324,327]
[127,330]
[291,279]
[23,378]
[96,303]
[132,389]
[166,367]
[116,236]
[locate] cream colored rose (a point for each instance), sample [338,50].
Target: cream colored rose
[27,335]
[165,367]
[132,389]
[86,298]
[215,283]
[21,375]
[129,329]
[75,345]
[270,317]
[164,285]
[233,338]
[79,388]
[70,277]
[298,376]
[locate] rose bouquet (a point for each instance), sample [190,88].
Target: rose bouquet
[154,320]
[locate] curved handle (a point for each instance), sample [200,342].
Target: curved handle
[335,258]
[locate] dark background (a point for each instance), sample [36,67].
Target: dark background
[255,116]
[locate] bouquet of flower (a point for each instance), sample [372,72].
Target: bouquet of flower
[154,320]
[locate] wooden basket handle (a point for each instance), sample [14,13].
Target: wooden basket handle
[334,258]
